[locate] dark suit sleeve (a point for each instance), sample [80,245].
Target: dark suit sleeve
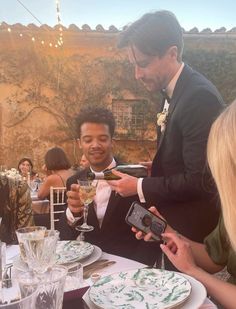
[193,120]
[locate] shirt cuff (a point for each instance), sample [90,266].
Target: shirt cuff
[70,217]
[140,190]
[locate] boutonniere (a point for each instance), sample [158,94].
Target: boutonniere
[162,119]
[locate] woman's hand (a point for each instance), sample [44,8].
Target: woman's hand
[148,237]
[181,256]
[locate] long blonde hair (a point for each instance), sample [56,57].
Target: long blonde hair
[221,153]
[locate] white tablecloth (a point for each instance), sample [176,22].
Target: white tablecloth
[39,206]
[122,264]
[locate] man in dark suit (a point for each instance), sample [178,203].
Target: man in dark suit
[180,185]
[95,129]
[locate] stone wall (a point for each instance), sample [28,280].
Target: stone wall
[43,86]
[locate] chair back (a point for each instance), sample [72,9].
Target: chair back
[57,204]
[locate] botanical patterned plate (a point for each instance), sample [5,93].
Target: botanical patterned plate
[142,288]
[72,250]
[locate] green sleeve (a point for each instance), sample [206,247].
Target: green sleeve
[217,244]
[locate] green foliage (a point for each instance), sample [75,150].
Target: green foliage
[217,66]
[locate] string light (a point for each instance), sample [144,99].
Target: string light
[59,20]
[33,39]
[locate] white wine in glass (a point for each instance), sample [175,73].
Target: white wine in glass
[87,192]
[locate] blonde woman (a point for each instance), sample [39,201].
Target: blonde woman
[219,248]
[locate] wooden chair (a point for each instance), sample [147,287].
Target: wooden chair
[57,204]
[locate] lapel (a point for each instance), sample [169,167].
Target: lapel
[159,134]
[179,88]
[93,220]
[111,206]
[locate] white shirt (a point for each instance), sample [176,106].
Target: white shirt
[169,90]
[103,192]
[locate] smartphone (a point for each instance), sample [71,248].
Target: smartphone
[145,221]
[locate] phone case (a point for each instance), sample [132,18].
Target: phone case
[145,221]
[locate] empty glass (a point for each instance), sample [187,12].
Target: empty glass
[12,298]
[40,250]
[74,278]
[50,287]
[33,186]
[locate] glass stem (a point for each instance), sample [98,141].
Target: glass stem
[85,214]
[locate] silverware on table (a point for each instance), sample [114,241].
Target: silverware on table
[89,271]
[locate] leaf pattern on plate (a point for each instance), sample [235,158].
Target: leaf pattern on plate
[72,250]
[142,288]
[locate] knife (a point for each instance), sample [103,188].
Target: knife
[88,273]
[99,262]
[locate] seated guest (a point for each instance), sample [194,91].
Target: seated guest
[84,162]
[57,169]
[95,129]
[219,248]
[26,168]
[15,207]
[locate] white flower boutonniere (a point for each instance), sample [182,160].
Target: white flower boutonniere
[162,119]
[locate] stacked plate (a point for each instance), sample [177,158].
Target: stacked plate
[68,252]
[76,251]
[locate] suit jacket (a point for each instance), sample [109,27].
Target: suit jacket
[115,235]
[181,186]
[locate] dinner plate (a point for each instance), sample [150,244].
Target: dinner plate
[97,253]
[142,288]
[69,251]
[197,296]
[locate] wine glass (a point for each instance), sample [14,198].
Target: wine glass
[33,186]
[87,192]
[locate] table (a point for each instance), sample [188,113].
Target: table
[122,264]
[39,206]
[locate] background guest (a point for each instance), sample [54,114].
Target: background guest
[84,162]
[57,169]
[26,168]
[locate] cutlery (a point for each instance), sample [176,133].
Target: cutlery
[88,273]
[99,262]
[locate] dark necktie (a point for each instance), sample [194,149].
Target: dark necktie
[165,95]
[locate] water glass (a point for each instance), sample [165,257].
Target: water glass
[40,251]
[28,232]
[12,298]
[74,278]
[2,255]
[50,287]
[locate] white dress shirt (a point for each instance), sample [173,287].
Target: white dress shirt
[169,90]
[103,192]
